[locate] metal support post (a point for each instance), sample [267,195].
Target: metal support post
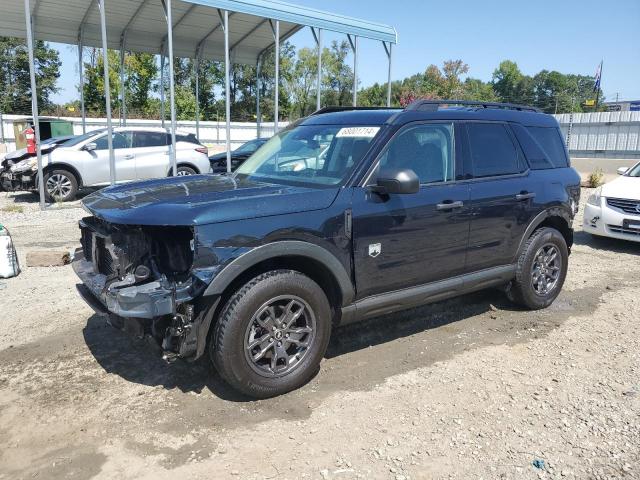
[34,99]
[162,115]
[196,65]
[224,17]
[389,50]
[123,105]
[353,40]
[107,92]
[172,99]
[276,105]
[318,39]
[81,78]
[258,87]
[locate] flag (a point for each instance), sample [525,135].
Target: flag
[598,75]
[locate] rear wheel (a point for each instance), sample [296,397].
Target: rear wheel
[184,171]
[541,269]
[272,334]
[60,186]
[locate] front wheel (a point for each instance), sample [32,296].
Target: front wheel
[541,269]
[60,186]
[272,334]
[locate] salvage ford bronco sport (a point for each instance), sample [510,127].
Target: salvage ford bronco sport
[345,215]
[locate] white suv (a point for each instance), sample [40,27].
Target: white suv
[83,161]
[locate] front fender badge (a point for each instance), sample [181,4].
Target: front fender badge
[375,249]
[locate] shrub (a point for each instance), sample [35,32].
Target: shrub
[596,178]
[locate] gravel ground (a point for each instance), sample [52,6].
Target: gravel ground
[467,388]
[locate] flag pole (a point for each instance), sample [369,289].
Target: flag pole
[598,82]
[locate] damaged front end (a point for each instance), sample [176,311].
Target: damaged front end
[141,277]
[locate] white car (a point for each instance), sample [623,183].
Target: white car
[613,210]
[83,161]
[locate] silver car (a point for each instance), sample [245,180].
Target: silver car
[140,154]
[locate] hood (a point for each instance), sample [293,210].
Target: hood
[202,199]
[623,187]
[223,156]
[21,154]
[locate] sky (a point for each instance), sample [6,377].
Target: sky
[570,36]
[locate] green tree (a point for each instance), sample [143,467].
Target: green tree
[337,76]
[302,82]
[509,83]
[15,83]
[141,72]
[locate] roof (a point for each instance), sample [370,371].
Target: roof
[355,116]
[379,116]
[526,118]
[196,25]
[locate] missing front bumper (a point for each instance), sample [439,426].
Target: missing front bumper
[148,300]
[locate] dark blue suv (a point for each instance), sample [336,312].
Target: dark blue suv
[345,215]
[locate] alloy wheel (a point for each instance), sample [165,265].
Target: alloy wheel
[546,269]
[279,336]
[59,186]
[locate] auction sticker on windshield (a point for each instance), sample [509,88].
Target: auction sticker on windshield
[366,132]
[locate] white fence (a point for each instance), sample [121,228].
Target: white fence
[602,134]
[211,133]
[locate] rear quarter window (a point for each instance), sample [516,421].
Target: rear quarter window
[550,142]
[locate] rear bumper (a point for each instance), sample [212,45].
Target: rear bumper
[147,300]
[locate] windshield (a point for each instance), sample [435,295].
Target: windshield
[81,138]
[314,155]
[634,171]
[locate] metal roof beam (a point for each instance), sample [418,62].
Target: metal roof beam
[201,43]
[179,21]
[85,17]
[248,34]
[284,37]
[133,17]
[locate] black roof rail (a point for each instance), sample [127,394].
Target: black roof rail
[432,105]
[346,109]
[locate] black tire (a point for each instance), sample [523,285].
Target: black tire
[184,170]
[60,185]
[228,347]
[544,241]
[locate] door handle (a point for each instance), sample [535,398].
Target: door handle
[128,157]
[525,196]
[449,205]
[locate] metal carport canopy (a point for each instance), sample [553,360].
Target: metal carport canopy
[235,31]
[195,24]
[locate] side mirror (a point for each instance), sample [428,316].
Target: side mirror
[89,147]
[622,170]
[400,181]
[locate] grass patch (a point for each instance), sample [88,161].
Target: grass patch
[13,209]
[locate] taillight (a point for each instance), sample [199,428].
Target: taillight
[204,150]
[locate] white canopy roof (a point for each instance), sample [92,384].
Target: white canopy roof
[196,25]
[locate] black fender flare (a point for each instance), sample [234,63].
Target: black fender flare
[283,248]
[561,212]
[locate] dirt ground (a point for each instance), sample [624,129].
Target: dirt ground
[467,388]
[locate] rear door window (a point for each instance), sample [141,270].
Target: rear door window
[149,139]
[493,152]
[550,141]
